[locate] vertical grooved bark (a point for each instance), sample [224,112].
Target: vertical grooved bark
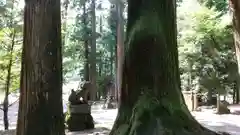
[235,8]
[120,46]
[40,108]
[151,99]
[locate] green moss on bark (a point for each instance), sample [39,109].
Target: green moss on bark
[151,102]
[154,116]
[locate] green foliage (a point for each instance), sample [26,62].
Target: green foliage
[206,53]
[102,85]
[218,5]
[77,33]
[10,35]
[206,50]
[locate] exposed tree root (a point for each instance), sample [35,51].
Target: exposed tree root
[152,116]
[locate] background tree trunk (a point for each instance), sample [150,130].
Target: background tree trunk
[8,80]
[234,92]
[218,103]
[235,8]
[100,56]
[111,60]
[93,72]
[64,19]
[237,95]
[151,99]
[209,97]
[9,69]
[120,46]
[40,107]
[86,51]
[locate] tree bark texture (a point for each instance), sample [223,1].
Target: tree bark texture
[120,45]
[235,9]
[40,108]
[151,101]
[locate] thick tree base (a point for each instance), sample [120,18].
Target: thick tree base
[80,122]
[151,116]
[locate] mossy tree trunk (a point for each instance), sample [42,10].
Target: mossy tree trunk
[151,102]
[235,8]
[40,108]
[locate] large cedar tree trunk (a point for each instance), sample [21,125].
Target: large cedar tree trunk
[151,102]
[235,8]
[40,108]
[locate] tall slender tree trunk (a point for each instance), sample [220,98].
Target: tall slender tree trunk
[113,27]
[218,103]
[86,51]
[209,96]
[8,80]
[235,8]
[40,108]
[234,92]
[120,46]
[93,72]
[9,69]
[111,60]
[100,56]
[237,95]
[151,99]
[64,17]
[116,70]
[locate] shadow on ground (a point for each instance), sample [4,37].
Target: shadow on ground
[96,131]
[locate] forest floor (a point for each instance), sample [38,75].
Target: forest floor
[104,120]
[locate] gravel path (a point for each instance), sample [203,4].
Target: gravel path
[104,120]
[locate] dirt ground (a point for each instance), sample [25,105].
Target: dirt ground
[104,120]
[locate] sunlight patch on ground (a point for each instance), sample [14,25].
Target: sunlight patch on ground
[104,120]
